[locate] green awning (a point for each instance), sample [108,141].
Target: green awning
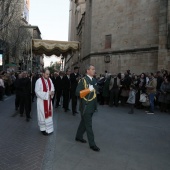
[11,65]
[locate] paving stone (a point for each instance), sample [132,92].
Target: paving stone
[127,142]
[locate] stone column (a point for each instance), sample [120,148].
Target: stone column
[163,34]
[168,56]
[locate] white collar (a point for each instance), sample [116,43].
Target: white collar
[91,78]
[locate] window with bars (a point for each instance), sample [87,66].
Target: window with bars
[108,41]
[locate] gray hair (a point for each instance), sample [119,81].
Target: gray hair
[87,67]
[44,70]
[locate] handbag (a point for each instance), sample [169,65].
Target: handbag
[143,98]
[125,93]
[147,103]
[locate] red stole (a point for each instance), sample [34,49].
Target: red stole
[47,110]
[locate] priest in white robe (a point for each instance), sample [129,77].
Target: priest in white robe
[44,90]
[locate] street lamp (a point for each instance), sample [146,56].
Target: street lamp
[62,58]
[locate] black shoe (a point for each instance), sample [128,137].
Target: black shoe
[65,110]
[74,113]
[44,133]
[95,148]
[81,140]
[21,115]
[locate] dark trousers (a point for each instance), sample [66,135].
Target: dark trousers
[25,104]
[7,90]
[151,100]
[74,102]
[17,101]
[163,107]
[114,94]
[33,95]
[86,126]
[58,97]
[66,99]
[100,98]
[131,109]
[53,98]
[1,92]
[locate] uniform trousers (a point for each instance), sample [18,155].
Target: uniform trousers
[86,126]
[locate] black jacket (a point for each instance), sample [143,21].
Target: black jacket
[73,81]
[25,86]
[159,82]
[17,86]
[66,83]
[58,83]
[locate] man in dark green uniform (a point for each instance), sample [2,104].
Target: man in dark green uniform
[88,106]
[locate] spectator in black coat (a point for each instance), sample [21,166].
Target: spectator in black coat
[66,84]
[58,88]
[25,89]
[54,79]
[74,78]
[17,92]
[33,81]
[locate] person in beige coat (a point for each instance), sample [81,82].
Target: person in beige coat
[151,91]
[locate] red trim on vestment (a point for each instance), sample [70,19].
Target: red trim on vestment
[47,110]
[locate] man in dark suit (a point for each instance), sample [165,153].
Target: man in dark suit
[58,88]
[33,81]
[74,78]
[66,84]
[25,91]
[54,80]
[17,92]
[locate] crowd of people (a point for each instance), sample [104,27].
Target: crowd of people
[61,88]
[6,84]
[23,85]
[115,89]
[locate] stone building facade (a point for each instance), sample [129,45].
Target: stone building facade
[120,35]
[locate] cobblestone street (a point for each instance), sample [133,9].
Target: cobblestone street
[127,142]
[21,146]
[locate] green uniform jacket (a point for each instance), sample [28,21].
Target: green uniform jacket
[91,104]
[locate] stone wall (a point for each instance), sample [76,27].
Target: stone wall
[139,30]
[136,62]
[132,24]
[164,20]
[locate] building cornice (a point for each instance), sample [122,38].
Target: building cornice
[116,52]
